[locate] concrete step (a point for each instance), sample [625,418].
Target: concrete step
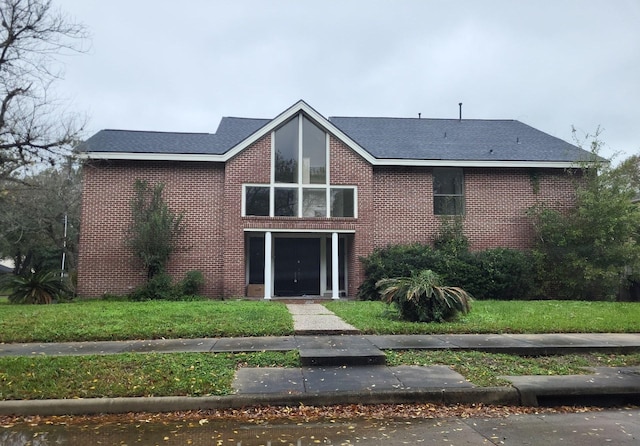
[342,356]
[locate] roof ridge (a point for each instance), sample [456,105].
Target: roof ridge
[244,117]
[157,131]
[422,119]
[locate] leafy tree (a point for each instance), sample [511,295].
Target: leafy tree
[629,170]
[154,231]
[32,219]
[33,36]
[422,297]
[587,251]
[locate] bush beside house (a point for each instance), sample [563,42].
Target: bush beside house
[500,274]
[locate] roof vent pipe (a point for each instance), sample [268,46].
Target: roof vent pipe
[419,115]
[460,107]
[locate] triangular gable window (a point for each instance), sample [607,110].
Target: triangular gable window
[300,181]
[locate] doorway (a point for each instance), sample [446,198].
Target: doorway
[296,266]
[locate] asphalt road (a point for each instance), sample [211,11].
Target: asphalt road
[615,427]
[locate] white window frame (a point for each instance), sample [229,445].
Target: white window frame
[461,195]
[327,186]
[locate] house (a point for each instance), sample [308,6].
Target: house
[287,206]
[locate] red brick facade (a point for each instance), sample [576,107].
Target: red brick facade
[394,205]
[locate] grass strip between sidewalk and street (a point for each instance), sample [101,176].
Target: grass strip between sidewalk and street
[485,369]
[199,374]
[129,374]
[492,316]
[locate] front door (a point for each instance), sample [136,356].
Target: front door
[296,266]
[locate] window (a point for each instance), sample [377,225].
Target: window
[300,184]
[448,191]
[257,200]
[286,153]
[342,202]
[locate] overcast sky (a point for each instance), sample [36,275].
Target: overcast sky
[182,65]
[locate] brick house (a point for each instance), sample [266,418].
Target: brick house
[286,206]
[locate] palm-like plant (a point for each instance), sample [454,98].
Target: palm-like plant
[35,288]
[422,298]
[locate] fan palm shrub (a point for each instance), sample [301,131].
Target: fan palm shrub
[422,298]
[36,288]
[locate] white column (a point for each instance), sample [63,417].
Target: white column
[335,267]
[268,286]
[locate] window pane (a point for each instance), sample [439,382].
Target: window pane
[286,202]
[448,205]
[257,201]
[256,260]
[286,153]
[314,157]
[314,203]
[447,181]
[342,203]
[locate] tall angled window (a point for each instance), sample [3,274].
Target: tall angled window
[314,154]
[448,191]
[286,153]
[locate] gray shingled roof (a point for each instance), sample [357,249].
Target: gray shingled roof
[383,138]
[230,132]
[453,139]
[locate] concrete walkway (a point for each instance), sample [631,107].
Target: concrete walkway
[350,368]
[314,318]
[525,344]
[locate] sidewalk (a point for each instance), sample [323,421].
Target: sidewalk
[350,368]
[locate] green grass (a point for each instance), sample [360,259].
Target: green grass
[103,320]
[485,369]
[129,375]
[107,320]
[199,374]
[501,317]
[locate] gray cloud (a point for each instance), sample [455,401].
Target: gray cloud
[164,65]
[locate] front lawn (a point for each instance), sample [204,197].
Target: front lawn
[486,316]
[106,320]
[98,320]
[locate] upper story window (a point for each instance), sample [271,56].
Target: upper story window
[300,184]
[448,191]
[300,153]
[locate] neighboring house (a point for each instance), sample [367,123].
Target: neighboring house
[287,206]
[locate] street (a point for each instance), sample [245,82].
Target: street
[614,426]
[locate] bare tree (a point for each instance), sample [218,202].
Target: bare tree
[33,126]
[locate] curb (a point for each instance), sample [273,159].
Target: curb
[89,406]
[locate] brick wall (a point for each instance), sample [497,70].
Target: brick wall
[105,265]
[496,201]
[395,205]
[252,166]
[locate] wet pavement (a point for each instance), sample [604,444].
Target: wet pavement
[615,427]
[523,344]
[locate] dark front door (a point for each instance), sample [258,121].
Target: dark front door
[297,266]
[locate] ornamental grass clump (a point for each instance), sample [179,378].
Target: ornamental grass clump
[422,298]
[36,288]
